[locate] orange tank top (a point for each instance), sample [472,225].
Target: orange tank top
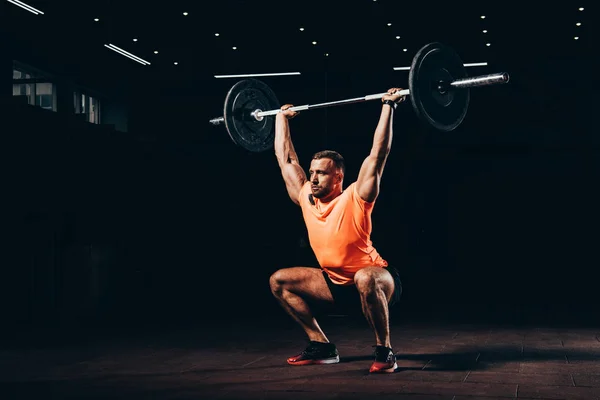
[340,233]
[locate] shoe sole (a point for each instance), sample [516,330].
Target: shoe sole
[387,370]
[333,360]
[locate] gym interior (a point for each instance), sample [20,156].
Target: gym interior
[140,238]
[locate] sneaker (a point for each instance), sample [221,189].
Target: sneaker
[385,360]
[316,353]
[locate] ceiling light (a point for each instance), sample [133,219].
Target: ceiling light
[257,75]
[404,49]
[25,7]
[301,29]
[479,64]
[488,44]
[485,31]
[234,48]
[483,17]
[389,24]
[185,13]
[216,34]
[578,24]
[576,38]
[96,19]
[135,40]
[397,37]
[126,54]
[580,8]
[326,54]
[175,63]
[155,51]
[314,42]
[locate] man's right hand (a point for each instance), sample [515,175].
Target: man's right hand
[289,114]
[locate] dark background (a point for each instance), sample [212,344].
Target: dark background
[171,223]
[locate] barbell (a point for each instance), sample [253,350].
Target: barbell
[438,86]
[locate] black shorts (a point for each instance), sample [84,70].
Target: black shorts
[348,297]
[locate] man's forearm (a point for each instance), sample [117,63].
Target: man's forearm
[284,148]
[382,139]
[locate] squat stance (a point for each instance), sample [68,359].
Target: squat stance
[339,227]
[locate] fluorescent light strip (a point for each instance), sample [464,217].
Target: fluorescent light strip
[481,64]
[129,54]
[255,75]
[25,6]
[126,54]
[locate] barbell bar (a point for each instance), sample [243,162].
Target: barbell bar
[475,81]
[438,89]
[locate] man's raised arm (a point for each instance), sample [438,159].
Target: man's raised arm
[293,174]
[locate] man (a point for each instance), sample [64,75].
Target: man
[339,230]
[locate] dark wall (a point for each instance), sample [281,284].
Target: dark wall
[173,222]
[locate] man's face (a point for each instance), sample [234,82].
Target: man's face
[324,177]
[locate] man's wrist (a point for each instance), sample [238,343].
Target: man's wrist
[390,103]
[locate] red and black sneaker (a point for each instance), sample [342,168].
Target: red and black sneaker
[385,360]
[316,353]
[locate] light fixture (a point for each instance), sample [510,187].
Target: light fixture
[389,24]
[302,29]
[578,24]
[581,8]
[175,63]
[484,31]
[326,54]
[404,49]
[479,64]
[135,40]
[576,38]
[26,7]
[314,42]
[257,75]
[185,13]
[216,34]
[126,54]
[155,51]
[96,19]
[483,17]
[488,44]
[397,37]
[234,48]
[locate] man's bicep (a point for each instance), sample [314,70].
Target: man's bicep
[367,184]
[294,177]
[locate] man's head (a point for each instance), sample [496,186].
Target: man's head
[326,172]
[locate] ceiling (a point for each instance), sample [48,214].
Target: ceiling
[354,35]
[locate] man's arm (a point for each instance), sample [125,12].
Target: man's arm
[371,170]
[293,174]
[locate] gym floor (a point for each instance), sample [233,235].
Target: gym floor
[237,360]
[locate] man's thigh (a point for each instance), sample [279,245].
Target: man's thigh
[306,282]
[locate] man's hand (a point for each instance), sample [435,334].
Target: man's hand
[289,114]
[393,96]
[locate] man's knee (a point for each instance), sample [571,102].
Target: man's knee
[370,282]
[277,281]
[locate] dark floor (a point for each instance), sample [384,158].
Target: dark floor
[240,360]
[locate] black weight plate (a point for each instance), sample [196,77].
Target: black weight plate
[242,99]
[442,109]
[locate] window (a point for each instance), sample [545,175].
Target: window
[33,87]
[88,106]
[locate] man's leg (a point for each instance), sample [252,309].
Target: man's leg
[376,287]
[293,288]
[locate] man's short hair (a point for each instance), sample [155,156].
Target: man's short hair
[337,158]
